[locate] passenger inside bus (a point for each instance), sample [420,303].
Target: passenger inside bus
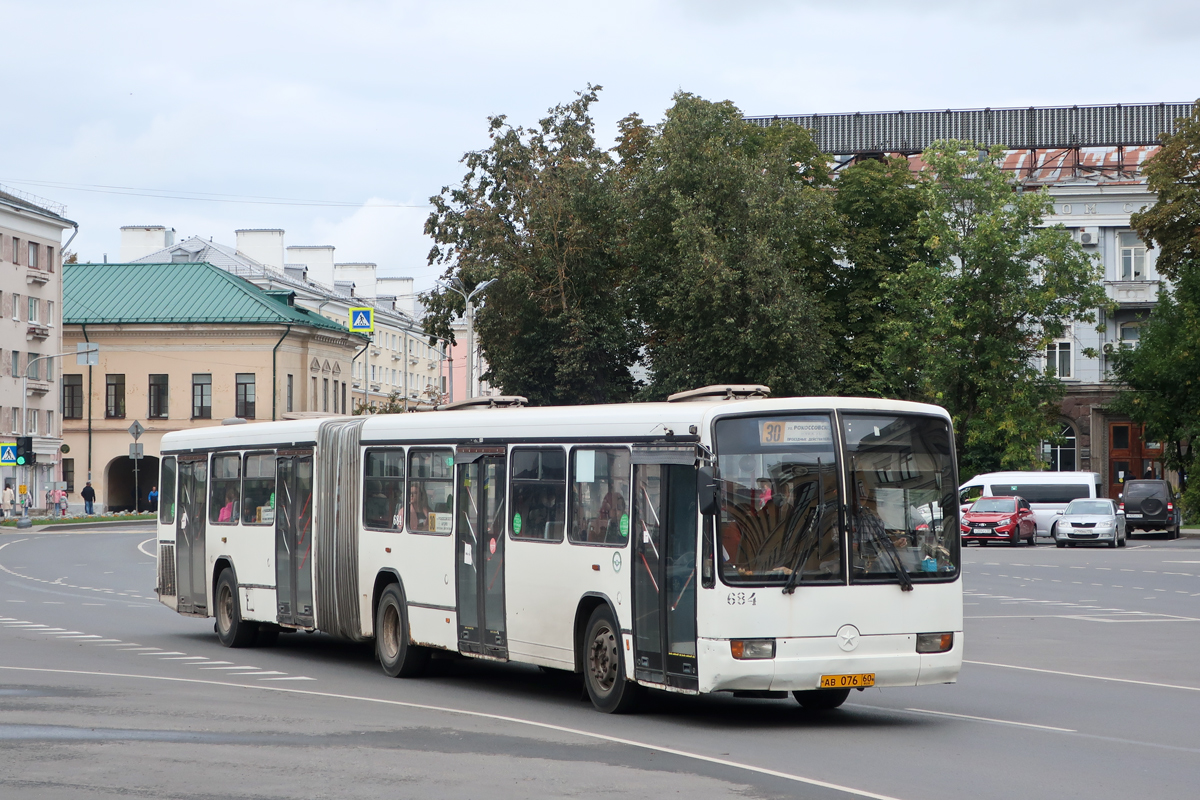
[229,510]
[418,508]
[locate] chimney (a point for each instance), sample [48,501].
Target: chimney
[139,241]
[264,245]
[361,274]
[318,259]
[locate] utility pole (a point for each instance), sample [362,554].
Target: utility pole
[470,318]
[25,410]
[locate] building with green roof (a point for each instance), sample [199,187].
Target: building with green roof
[186,345]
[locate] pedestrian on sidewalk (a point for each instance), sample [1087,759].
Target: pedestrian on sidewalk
[89,499]
[10,499]
[62,503]
[153,498]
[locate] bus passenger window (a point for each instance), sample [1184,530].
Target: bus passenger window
[600,496]
[383,489]
[259,489]
[225,491]
[430,491]
[166,495]
[539,490]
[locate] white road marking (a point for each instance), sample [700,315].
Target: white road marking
[151,539]
[243,667]
[164,653]
[292,678]
[1089,677]
[79,636]
[989,719]
[495,717]
[186,658]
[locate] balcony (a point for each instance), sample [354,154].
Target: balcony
[36,276]
[38,332]
[36,386]
[1132,294]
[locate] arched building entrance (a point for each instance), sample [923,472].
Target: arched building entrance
[119,486]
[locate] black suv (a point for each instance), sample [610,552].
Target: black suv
[1150,506]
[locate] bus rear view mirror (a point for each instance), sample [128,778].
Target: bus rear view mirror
[706,490]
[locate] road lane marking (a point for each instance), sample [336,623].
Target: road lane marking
[291,678]
[651,747]
[164,653]
[1081,675]
[997,721]
[151,539]
[186,658]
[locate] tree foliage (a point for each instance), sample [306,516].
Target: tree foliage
[538,210]
[1162,375]
[729,235]
[975,318]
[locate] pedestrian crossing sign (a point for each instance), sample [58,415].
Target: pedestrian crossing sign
[8,454]
[362,320]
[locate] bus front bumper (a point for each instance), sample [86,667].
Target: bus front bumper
[800,663]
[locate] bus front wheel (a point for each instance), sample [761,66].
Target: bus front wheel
[398,657]
[232,630]
[604,665]
[821,699]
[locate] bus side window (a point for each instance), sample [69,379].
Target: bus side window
[258,489]
[430,491]
[225,489]
[166,495]
[383,489]
[539,484]
[600,496]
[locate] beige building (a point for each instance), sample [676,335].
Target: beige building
[185,345]
[31,231]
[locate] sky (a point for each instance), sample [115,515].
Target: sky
[337,121]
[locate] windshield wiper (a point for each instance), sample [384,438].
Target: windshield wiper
[879,536]
[814,523]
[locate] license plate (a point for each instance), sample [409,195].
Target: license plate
[847,681]
[1133,516]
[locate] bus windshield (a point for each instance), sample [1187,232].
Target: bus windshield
[904,510]
[778,500]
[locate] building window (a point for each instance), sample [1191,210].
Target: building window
[49,423]
[31,367]
[72,394]
[158,397]
[245,395]
[16,250]
[16,363]
[33,255]
[1133,257]
[33,305]
[50,313]
[114,396]
[345,408]
[31,428]
[49,258]
[69,473]
[1131,332]
[325,395]
[16,420]
[16,306]
[312,398]
[290,390]
[335,398]
[1058,360]
[201,396]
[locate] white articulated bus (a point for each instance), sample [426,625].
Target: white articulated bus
[720,542]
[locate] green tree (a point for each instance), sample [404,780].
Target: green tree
[974,320]
[879,206]
[1162,375]
[730,232]
[539,210]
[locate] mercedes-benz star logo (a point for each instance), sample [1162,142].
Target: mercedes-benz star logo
[847,637]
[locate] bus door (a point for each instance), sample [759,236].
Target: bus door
[189,535]
[479,551]
[664,571]
[293,537]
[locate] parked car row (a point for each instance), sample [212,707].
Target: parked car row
[1015,507]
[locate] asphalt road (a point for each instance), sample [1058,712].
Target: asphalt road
[1082,681]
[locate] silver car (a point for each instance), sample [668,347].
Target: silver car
[1090,520]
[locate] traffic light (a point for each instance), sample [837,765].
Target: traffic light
[25,454]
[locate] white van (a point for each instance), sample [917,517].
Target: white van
[1046,492]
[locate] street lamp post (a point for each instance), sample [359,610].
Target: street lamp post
[470,317]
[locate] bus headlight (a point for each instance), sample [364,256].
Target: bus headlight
[745,649]
[934,642]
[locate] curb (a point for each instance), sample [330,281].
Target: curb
[78,526]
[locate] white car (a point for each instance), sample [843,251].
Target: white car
[1090,520]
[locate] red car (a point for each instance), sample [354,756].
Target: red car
[999,519]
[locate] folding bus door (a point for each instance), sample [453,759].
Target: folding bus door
[664,570]
[189,535]
[479,552]
[293,538]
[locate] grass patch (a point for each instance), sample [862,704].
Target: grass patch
[11,522]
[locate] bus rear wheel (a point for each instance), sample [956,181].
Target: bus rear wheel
[232,630]
[604,665]
[821,699]
[398,657]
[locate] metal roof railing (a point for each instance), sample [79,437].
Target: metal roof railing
[59,209]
